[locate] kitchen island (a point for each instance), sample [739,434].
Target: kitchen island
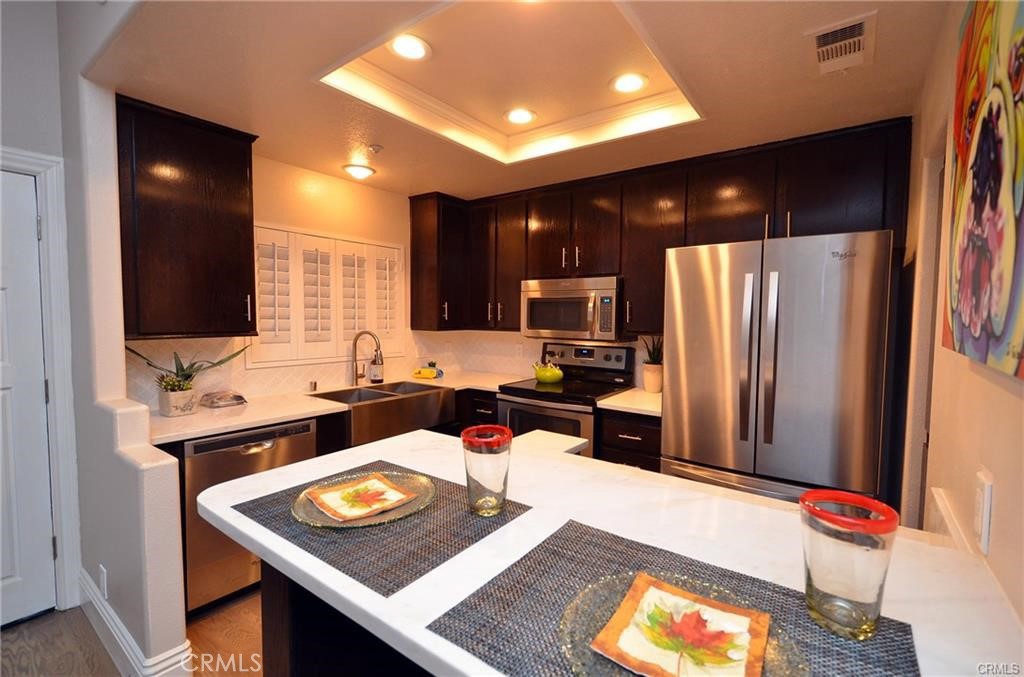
[959,615]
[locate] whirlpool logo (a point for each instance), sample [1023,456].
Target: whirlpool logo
[844,254]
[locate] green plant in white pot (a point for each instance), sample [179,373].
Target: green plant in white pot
[653,370]
[176,395]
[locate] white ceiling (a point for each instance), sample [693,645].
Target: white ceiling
[746,67]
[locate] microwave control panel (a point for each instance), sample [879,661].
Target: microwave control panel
[605,320]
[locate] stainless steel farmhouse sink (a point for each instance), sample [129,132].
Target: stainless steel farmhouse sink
[391,409]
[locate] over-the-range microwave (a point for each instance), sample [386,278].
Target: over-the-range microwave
[571,308]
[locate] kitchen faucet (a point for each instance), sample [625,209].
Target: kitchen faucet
[378,357]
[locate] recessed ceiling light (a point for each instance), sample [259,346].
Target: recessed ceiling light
[629,82]
[520,116]
[360,171]
[409,47]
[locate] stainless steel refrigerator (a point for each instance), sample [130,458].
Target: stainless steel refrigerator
[775,357]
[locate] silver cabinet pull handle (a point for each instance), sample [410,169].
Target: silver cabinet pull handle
[770,381]
[485,411]
[635,438]
[788,220]
[577,257]
[248,307]
[444,311]
[564,264]
[499,311]
[766,225]
[489,304]
[629,314]
[746,361]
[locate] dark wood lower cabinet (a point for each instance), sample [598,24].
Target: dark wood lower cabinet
[630,439]
[303,635]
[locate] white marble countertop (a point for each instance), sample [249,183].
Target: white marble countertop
[633,401]
[259,411]
[959,614]
[480,380]
[270,409]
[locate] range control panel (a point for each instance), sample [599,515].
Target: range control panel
[586,355]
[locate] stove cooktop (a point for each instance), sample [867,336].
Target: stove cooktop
[568,390]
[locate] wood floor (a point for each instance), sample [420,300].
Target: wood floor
[64,643]
[59,643]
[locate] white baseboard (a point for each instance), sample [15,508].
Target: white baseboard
[963,539]
[119,643]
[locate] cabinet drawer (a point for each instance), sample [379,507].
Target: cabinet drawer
[652,463]
[477,407]
[640,434]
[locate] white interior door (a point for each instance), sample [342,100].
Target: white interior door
[27,584]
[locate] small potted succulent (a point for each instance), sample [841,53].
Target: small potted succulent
[653,375]
[176,395]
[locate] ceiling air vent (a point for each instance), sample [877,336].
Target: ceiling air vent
[845,44]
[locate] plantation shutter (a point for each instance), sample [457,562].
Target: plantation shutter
[353,289]
[387,291]
[273,293]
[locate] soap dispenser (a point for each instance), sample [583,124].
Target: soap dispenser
[375,370]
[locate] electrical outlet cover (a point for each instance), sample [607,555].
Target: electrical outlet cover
[982,522]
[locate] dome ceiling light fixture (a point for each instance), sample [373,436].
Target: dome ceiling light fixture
[410,47]
[360,171]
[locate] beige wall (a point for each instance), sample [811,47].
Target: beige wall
[128,490]
[292,196]
[977,413]
[30,93]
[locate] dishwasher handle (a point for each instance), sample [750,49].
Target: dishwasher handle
[250,442]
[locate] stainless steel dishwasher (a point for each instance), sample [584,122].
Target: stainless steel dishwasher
[214,564]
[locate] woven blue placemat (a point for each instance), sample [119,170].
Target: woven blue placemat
[387,557]
[511,623]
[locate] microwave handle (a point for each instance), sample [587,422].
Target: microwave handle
[591,316]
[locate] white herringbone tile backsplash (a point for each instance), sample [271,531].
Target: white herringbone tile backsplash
[490,351]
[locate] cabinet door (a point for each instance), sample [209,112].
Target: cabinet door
[596,229]
[730,200]
[653,210]
[510,262]
[479,281]
[452,265]
[832,185]
[548,235]
[186,225]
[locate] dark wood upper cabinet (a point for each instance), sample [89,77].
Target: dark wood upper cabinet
[730,200]
[653,214]
[549,235]
[832,185]
[437,261]
[480,242]
[186,224]
[596,229]
[510,262]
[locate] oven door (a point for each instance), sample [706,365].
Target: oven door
[522,415]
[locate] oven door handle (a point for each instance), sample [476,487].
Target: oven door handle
[544,404]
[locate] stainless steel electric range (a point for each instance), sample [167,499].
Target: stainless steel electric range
[592,372]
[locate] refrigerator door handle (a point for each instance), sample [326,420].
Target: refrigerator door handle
[772,329]
[746,364]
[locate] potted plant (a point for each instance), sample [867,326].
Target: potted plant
[653,375]
[176,395]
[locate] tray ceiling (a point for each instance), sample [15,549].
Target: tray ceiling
[555,59]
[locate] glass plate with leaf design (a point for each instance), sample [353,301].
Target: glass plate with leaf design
[304,510]
[594,606]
